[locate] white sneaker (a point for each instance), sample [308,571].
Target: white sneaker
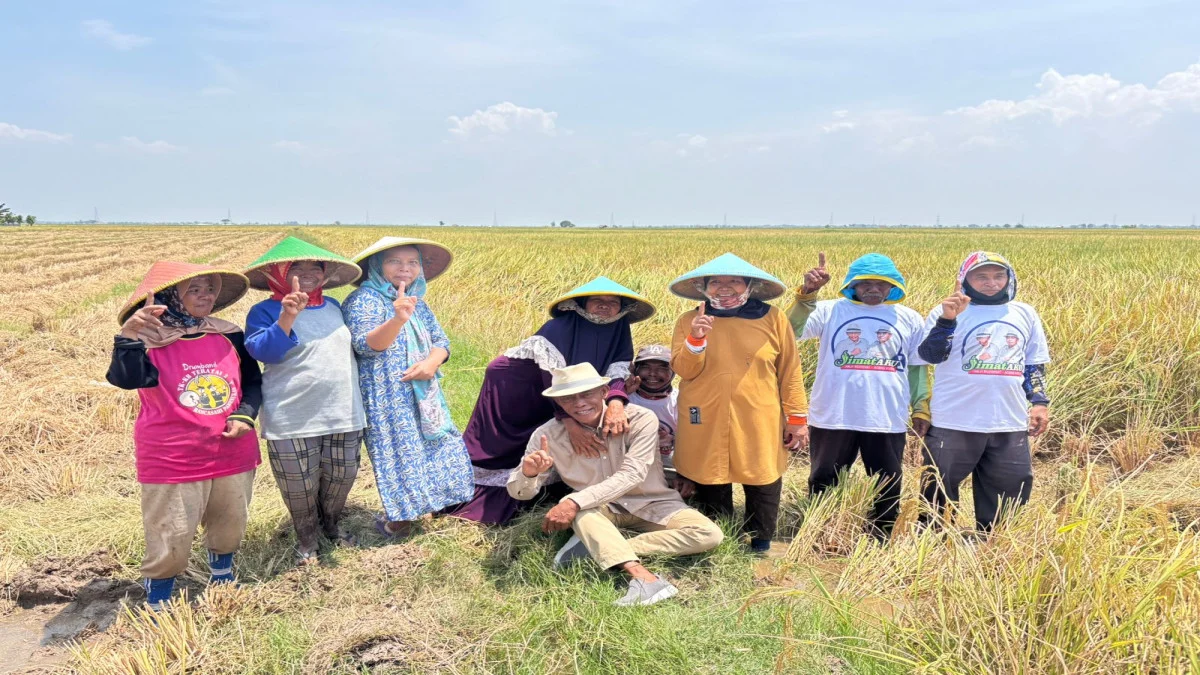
[642,593]
[570,552]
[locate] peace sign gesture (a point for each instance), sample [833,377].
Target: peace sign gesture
[817,277]
[955,304]
[145,317]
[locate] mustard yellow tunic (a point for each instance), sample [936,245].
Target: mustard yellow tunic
[734,398]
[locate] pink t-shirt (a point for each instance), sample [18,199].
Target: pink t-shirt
[177,435]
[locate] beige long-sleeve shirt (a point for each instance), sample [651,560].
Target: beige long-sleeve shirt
[628,478]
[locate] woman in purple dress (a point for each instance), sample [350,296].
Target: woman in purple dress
[590,324]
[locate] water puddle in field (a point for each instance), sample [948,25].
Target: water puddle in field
[59,600]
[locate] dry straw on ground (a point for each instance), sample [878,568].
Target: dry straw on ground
[1098,575]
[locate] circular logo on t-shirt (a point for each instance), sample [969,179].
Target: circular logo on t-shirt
[206,393]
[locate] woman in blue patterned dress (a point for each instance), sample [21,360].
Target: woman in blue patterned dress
[421,465]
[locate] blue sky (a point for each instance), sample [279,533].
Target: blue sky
[658,112]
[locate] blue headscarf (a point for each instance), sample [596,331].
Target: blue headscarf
[878,267]
[432,411]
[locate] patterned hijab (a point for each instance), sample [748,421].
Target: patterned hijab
[432,411]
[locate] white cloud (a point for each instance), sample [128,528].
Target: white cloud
[152,147]
[838,126]
[216,91]
[909,142]
[295,147]
[980,141]
[105,32]
[1063,98]
[16,133]
[697,141]
[504,118]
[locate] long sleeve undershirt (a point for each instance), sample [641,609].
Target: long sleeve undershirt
[131,368]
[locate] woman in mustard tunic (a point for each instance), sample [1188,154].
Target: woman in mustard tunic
[741,396]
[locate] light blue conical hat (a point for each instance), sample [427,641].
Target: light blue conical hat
[768,288]
[642,309]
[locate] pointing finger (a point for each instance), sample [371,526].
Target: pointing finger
[702,306]
[400,288]
[958,287]
[295,284]
[821,260]
[149,300]
[545,445]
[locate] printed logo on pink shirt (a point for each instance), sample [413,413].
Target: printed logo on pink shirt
[205,389]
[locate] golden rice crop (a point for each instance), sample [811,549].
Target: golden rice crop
[1098,574]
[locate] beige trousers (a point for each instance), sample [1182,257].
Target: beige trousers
[172,512]
[686,533]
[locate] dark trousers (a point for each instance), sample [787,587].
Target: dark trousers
[999,464]
[833,450]
[762,506]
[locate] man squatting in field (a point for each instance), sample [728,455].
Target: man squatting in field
[623,488]
[860,403]
[986,403]
[194,439]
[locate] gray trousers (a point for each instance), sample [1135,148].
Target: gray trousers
[999,464]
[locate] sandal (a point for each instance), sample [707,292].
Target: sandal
[381,526]
[305,558]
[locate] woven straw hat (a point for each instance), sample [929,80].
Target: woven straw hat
[339,271]
[435,258]
[573,380]
[164,274]
[642,309]
[769,287]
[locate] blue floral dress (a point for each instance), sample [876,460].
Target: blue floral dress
[414,475]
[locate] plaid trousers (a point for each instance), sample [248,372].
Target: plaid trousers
[314,476]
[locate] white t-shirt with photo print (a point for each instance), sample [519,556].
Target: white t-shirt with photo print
[863,356]
[980,387]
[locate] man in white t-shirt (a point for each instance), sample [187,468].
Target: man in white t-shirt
[862,398]
[650,385]
[988,399]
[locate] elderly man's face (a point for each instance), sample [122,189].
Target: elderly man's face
[603,306]
[1012,340]
[198,295]
[853,335]
[984,340]
[586,407]
[883,337]
[655,374]
[872,291]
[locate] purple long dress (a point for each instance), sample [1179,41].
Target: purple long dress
[511,406]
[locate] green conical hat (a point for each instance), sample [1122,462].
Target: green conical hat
[728,264]
[339,271]
[642,309]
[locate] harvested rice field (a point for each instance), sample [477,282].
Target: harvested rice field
[1100,573]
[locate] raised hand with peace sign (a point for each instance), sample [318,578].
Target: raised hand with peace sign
[145,317]
[816,278]
[954,305]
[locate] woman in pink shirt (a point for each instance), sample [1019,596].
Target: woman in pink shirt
[194,439]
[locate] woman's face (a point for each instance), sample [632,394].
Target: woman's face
[310,274]
[401,265]
[198,295]
[603,306]
[725,288]
[988,279]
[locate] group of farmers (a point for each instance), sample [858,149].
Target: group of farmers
[571,415]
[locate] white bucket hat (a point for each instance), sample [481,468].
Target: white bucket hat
[573,380]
